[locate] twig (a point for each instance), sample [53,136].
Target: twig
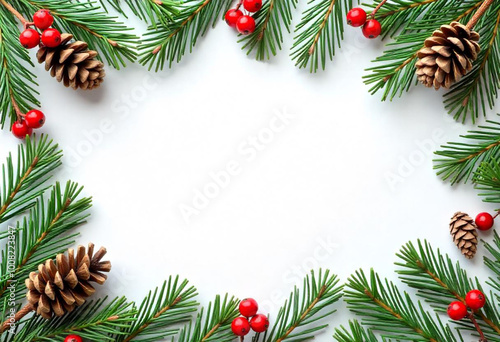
[15,13]
[322,27]
[17,317]
[377,8]
[479,13]
[478,328]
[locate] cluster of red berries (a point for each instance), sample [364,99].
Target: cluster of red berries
[73,338]
[27,123]
[474,300]
[50,37]
[244,23]
[258,322]
[484,221]
[356,17]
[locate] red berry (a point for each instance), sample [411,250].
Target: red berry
[43,19]
[34,118]
[457,310]
[51,38]
[240,326]
[475,299]
[249,307]
[356,17]
[245,24]
[252,5]
[73,338]
[259,323]
[372,29]
[484,221]
[232,17]
[29,38]
[20,129]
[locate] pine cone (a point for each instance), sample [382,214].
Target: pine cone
[463,230]
[447,55]
[57,288]
[72,63]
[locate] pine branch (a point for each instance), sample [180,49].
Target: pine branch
[41,235]
[90,23]
[95,321]
[162,309]
[169,43]
[391,312]
[320,30]
[395,69]
[440,282]
[267,38]
[304,308]
[493,263]
[151,11]
[479,88]
[355,333]
[214,324]
[16,81]
[487,179]
[460,159]
[24,183]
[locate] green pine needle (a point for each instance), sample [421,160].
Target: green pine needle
[161,311]
[355,333]
[319,32]
[487,180]
[459,160]
[24,180]
[151,11]
[270,20]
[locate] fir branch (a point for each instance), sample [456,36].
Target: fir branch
[355,333]
[170,305]
[88,22]
[460,159]
[395,69]
[480,86]
[306,307]
[493,262]
[95,321]
[379,301]
[17,83]
[267,38]
[440,282]
[487,179]
[320,30]
[213,324]
[151,11]
[40,236]
[169,43]
[24,183]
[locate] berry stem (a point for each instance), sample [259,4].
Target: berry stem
[17,317]
[239,5]
[495,216]
[479,13]
[15,13]
[19,113]
[377,8]
[478,328]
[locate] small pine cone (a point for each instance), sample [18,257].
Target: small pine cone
[464,233]
[72,63]
[57,288]
[447,55]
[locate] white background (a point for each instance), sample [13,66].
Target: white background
[322,181]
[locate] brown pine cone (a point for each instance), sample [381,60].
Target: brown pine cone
[464,233]
[72,63]
[57,288]
[447,55]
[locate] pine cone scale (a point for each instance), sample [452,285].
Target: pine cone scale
[464,233]
[447,55]
[73,64]
[58,287]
